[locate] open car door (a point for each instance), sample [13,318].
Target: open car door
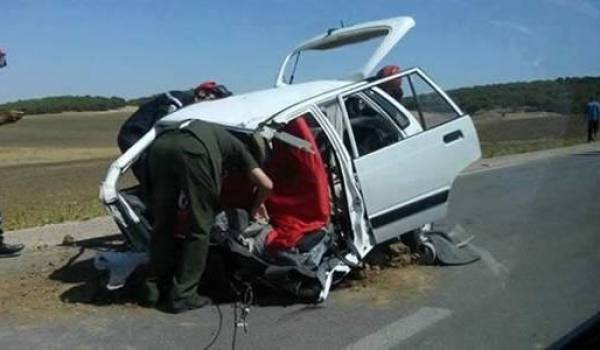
[390,30]
[405,170]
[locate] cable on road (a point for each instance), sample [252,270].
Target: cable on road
[218,332]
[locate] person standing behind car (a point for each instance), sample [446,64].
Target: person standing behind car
[9,250]
[392,87]
[592,115]
[139,123]
[186,164]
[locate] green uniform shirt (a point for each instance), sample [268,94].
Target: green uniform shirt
[226,152]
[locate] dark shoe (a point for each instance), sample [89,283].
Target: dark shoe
[10,250]
[187,304]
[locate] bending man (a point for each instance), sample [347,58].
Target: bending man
[186,165]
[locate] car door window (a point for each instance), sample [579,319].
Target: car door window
[397,116]
[371,127]
[426,104]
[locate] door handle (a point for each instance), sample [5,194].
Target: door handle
[453,136]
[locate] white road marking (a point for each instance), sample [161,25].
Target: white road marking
[397,332]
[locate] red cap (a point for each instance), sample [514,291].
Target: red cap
[206,86]
[388,70]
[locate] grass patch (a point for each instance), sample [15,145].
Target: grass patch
[502,148]
[15,156]
[51,166]
[34,195]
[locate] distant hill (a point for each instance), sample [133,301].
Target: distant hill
[563,95]
[65,103]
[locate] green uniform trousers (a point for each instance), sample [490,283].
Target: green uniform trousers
[179,163]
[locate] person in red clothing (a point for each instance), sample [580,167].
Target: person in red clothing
[394,86]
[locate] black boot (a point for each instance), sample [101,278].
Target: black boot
[187,304]
[10,250]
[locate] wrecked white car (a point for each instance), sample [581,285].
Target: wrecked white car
[389,162]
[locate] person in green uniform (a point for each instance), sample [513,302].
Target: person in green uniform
[9,250]
[186,165]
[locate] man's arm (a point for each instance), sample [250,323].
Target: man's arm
[264,187]
[10,117]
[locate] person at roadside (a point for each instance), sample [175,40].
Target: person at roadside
[186,164]
[9,250]
[592,115]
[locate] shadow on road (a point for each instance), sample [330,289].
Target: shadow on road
[217,282]
[89,282]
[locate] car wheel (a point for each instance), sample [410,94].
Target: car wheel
[428,254]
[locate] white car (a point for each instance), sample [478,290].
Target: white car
[391,161]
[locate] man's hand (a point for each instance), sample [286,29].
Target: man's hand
[264,187]
[7,117]
[262,215]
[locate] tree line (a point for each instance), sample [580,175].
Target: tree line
[65,103]
[562,95]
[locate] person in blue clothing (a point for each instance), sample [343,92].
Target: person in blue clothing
[592,115]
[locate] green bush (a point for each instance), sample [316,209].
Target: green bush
[563,95]
[65,103]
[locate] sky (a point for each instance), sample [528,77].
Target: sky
[136,48]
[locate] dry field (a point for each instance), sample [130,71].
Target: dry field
[526,132]
[51,165]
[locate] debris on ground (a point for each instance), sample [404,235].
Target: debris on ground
[68,241]
[57,282]
[390,273]
[44,285]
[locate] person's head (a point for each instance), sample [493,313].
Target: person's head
[394,86]
[255,144]
[210,90]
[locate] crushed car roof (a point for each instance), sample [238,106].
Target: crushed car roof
[249,110]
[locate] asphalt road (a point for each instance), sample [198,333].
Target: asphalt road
[536,225]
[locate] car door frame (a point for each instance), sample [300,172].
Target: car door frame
[428,203]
